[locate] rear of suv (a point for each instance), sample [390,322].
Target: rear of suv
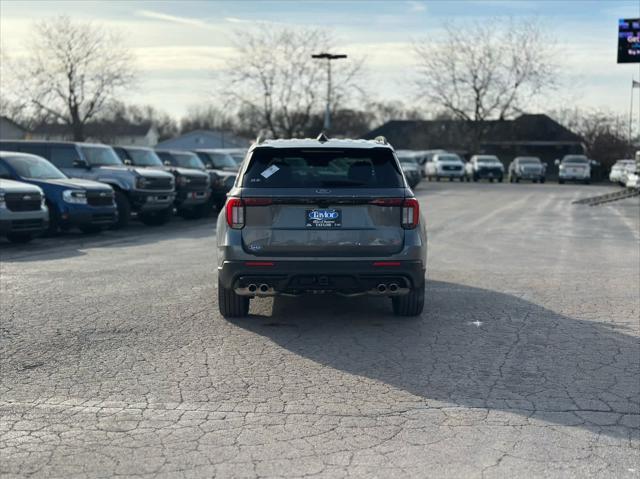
[321,216]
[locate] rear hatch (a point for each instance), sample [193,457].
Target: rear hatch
[323,202]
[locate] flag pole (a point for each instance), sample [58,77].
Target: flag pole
[631,110]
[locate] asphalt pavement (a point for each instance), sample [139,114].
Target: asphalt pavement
[114,359]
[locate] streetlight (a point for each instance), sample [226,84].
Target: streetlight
[328,57]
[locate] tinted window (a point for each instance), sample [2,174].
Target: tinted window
[218,160]
[575,159]
[318,168]
[166,157]
[188,160]
[101,156]
[34,168]
[64,156]
[144,157]
[4,171]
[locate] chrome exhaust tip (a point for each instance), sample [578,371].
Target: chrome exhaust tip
[264,288]
[252,288]
[393,287]
[382,288]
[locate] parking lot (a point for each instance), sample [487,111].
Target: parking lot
[115,360]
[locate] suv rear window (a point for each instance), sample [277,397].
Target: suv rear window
[321,168]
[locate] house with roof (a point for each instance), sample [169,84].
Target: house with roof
[527,135]
[113,132]
[10,130]
[201,139]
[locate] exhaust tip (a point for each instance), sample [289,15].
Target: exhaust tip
[264,288]
[393,287]
[252,288]
[382,288]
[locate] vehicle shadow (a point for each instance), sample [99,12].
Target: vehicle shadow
[71,244]
[473,348]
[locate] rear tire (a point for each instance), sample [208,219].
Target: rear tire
[437,178]
[124,210]
[19,238]
[410,304]
[230,304]
[561,182]
[542,180]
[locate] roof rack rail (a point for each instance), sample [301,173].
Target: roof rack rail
[322,138]
[381,139]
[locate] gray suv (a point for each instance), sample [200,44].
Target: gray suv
[148,193]
[321,216]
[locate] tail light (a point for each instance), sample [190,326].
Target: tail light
[235,213]
[235,209]
[410,213]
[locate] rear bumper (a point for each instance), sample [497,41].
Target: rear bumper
[348,277]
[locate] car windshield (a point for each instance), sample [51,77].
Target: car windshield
[450,158]
[101,156]
[529,161]
[321,168]
[579,159]
[487,159]
[144,157]
[188,160]
[218,160]
[35,168]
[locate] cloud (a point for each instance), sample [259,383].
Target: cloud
[172,18]
[416,7]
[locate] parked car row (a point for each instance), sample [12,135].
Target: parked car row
[93,186]
[441,164]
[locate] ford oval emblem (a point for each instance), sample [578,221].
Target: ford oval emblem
[323,191]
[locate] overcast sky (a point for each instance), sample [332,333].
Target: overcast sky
[180,45]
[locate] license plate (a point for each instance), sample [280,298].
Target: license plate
[323,218]
[158,198]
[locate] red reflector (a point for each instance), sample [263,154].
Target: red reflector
[386,263]
[259,263]
[257,201]
[386,202]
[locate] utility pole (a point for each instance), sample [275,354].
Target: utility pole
[328,57]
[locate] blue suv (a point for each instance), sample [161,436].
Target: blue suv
[72,203]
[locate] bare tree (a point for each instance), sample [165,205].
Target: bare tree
[273,75]
[605,136]
[73,71]
[485,70]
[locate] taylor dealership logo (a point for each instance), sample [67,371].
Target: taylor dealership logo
[323,215]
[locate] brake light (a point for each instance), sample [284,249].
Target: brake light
[257,201]
[386,202]
[235,213]
[410,213]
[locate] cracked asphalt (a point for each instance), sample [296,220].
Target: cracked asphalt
[525,363]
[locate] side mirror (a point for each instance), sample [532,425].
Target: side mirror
[556,162]
[594,163]
[166,163]
[127,162]
[81,164]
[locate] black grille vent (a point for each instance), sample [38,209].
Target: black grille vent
[23,201]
